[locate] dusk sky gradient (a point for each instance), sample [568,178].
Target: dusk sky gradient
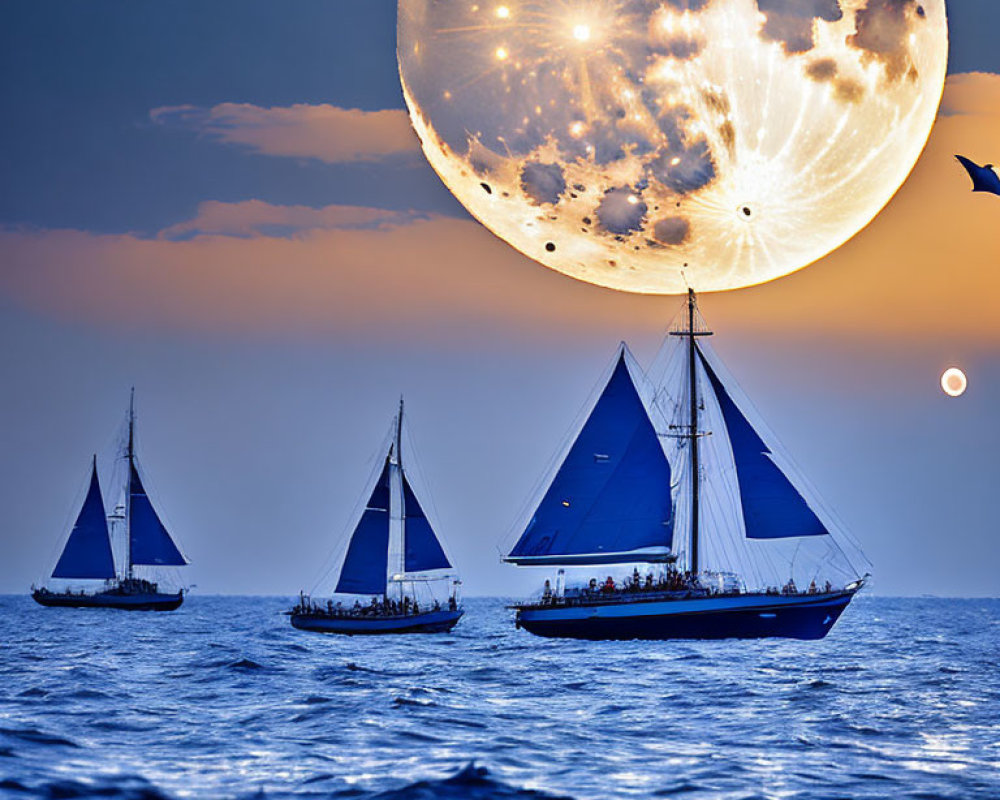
[223,204]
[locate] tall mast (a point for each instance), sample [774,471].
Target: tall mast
[128,484]
[398,447]
[691,331]
[693,397]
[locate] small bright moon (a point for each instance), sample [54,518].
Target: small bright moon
[953,382]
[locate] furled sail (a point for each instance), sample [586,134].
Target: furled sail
[149,542]
[422,552]
[772,507]
[88,550]
[610,500]
[366,563]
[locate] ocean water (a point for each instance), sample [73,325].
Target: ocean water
[224,700]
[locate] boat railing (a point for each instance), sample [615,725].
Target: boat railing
[379,611]
[586,597]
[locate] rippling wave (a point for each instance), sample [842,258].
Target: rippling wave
[223,699]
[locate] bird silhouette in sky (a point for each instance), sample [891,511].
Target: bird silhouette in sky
[984,179]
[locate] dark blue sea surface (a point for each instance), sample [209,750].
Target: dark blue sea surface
[223,699]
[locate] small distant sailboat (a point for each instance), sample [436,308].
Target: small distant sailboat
[88,554]
[392,550]
[651,462]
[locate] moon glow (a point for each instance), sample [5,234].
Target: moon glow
[653,145]
[953,382]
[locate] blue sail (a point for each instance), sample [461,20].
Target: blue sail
[149,542]
[367,559]
[610,501]
[772,507]
[88,551]
[421,548]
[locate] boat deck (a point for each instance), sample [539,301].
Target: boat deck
[123,600]
[439,620]
[657,596]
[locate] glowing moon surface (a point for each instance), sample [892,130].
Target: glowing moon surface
[652,145]
[954,382]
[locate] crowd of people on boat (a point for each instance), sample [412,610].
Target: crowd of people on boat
[127,586]
[791,588]
[132,586]
[671,581]
[377,607]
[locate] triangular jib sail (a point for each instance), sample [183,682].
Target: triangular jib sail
[610,499]
[149,542]
[422,552]
[772,507]
[87,554]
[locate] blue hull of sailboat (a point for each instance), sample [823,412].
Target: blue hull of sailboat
[429,622]
[125,602]
[748,616]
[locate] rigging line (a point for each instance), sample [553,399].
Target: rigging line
[721,491]
[795,555]
[843,554]
[717,547]
[774,575]
[735,532]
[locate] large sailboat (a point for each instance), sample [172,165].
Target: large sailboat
[89,556]
[393,554]
[670,482]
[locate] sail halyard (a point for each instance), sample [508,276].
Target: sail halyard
[609,499]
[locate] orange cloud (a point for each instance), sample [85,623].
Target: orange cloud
[255,217]
[323,132]
[976,93]
[928,267]
[430,275]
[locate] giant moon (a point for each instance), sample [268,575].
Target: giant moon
[656,145]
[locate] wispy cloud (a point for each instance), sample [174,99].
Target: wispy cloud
[323,132]
[975,93]
[926,268]
[251,218]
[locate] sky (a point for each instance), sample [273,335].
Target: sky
[223,205]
